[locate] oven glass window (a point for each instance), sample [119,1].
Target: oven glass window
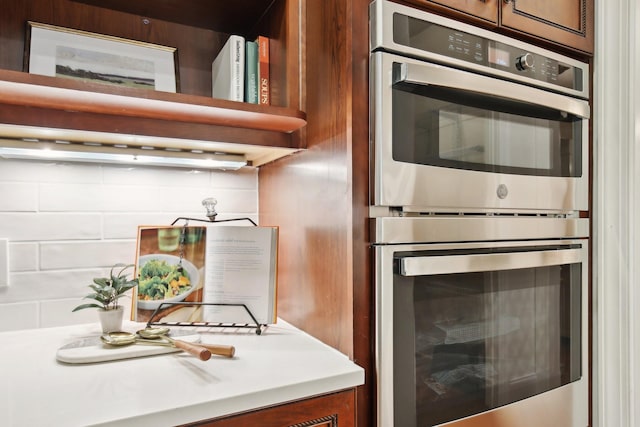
[470,342]
[443,127]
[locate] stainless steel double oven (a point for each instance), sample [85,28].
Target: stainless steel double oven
[480,178]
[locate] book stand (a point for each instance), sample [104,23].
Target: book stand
[211,214]
[259,327]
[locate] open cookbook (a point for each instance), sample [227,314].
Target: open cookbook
[231,270]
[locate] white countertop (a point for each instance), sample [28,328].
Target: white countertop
[281,365]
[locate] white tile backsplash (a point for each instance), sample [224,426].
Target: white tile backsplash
[19,316]
[119,225]
[24,257]
[242,179]
[4,262]
[48,285]
[72,255]
[18,196]
[156,177]
[59,312]
[68,223]
[40,171]
[24,227]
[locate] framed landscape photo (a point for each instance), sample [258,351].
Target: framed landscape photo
[81,55]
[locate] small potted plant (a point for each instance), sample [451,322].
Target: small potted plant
[106,292]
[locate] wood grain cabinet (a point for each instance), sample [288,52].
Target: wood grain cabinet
[332,410]
[198,30]
[566,23]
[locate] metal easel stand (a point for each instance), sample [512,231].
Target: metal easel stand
[259,327]
[209,204]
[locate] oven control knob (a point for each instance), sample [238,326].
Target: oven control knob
[525,62]
[502,191]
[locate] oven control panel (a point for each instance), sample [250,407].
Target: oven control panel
[489,53]
[452,43]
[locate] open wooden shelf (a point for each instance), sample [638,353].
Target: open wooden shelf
[41,101]
[81,111]
[22,89]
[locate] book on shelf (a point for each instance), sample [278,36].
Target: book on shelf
[251,72]
[227,70]
[264,95]
[225,266]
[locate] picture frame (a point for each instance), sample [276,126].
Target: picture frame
[69,53]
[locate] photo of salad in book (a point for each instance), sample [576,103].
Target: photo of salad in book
[212,274]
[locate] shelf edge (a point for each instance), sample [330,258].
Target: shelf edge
[32,95]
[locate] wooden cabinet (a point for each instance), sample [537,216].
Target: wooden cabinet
[333,410]
[198,29]
[567,23]
[319,197]
[486,10]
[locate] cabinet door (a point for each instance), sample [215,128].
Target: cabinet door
[332,410]
[567,22]
[484,9]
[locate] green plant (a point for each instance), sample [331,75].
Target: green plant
[107,290]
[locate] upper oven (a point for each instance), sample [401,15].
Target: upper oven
[465,120]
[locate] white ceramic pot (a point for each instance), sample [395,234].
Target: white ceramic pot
[111,320]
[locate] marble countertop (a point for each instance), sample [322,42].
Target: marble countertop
[281,365]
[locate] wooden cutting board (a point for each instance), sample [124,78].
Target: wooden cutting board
[92,350]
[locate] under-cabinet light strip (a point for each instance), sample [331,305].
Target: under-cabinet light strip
[209,161]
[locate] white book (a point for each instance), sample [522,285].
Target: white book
[240,268]
[227,70]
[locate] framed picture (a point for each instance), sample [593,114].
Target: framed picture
[63,52]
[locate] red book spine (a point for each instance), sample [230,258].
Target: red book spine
[264,96]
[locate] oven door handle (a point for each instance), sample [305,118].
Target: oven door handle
[434,75]
[469,263]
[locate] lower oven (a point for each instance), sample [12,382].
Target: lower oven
[483,332]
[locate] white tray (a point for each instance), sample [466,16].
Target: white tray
[92,350]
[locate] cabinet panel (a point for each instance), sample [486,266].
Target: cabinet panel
[238,16]
[333,410]
[568,22]
[483,9]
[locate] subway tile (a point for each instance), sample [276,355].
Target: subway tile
[245,179]
[57,197]
[49,226]
[59,313]
[155,177]
[121,198]
[48,171]
[237,201]
[23,257]
[114,198]
[18,316]
[125,225]
[18,197]
[47,285]
[74,255]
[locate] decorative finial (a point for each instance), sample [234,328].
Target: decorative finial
[210,205]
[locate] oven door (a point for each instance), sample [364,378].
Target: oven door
[482,334]
[451,140]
